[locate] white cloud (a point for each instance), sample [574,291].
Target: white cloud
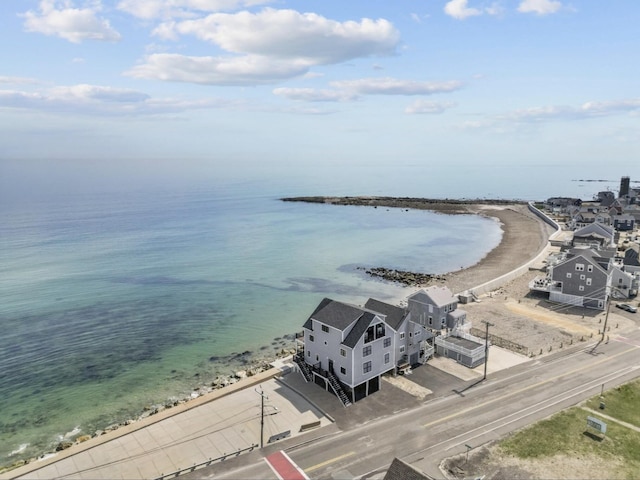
[73,24]
[17,80]
[459,9]
[394,86]
[151,9]
[266,47]
[540,7]
[315,95]
[290,34]
[100,100]
[244,70]
[428,107]
[540,115]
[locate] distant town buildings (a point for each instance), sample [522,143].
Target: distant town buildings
[601,260]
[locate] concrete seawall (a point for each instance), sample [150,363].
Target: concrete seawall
[507,277]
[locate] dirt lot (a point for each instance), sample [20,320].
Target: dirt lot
[536,325]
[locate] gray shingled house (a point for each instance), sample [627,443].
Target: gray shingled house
[346,349]
[436,308]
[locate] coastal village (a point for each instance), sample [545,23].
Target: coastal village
[592,260]
[579,286]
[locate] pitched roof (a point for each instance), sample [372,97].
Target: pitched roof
[394,316]
[588,255]
[358,329]
[335,314]
[438,296]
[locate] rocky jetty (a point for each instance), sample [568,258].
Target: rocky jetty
[446,205]
[409,279]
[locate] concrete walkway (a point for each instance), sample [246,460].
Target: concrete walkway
[179,438]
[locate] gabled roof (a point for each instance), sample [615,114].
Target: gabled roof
[394,316]
[335,314]
[587,255]
[631,256]
[438,296]
[358,329]
[597,228]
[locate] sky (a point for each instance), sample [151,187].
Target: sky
[178,84]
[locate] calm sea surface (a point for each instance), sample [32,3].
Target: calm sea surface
[111,302]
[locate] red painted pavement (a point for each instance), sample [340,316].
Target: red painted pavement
[284,467]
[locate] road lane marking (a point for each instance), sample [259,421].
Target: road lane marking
[524,389]
[333,460]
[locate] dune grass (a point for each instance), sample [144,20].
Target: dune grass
[566,433]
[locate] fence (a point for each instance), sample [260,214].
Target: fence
[195,466]
[501,342]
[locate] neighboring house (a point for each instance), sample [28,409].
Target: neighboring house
[603,218]
[562,204]
[582,219]
[436,308]
[631,258]
[624,222]
[586,277]
[595,234]
[606,198]
[581,280]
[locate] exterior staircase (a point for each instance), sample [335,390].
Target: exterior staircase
[337,388]
[305,368]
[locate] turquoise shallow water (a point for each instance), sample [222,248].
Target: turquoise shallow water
[110,303]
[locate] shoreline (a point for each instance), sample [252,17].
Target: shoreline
[523,234]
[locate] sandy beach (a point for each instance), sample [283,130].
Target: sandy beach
[524,236]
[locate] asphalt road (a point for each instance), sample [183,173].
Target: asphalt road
[426,434]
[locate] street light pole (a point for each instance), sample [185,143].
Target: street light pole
[486,348]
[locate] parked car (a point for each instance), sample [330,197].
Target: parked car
[627,307]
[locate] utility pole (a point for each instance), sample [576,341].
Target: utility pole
[606,317]
[262,397]
[486,348]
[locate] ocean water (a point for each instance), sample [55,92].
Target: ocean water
[114,302]
[120,297]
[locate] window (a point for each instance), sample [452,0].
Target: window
[568,275]
[343,352]
[343,371]
[366,367]
[311,338]
[387,342]
[402,349]
[379,330]
[579,267]
[581,288]
[430,320]
[401,335]
[366,351]
[417,334]
[325,328]
[582,277]
[386,358]
[308,353]
[369,334]
[588,281]
[589,268]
